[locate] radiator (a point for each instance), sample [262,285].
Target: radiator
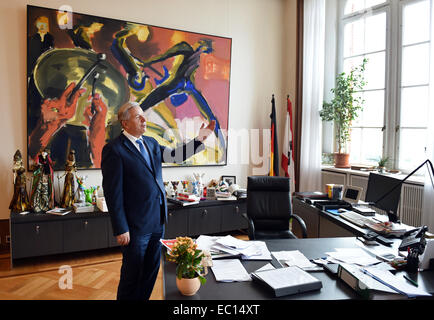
[410,204]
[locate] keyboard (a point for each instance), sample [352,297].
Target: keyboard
[356,218]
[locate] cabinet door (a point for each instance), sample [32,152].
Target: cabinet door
[176,224]
[36,239]
[85,234]
[310,216]
[204,220]
[232,218]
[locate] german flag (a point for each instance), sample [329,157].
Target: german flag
[274,156]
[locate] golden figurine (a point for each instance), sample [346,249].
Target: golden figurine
[69,184]
[42,197]
[20,200]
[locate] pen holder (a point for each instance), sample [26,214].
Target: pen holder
[413,260]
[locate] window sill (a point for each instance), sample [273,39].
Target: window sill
[415,179]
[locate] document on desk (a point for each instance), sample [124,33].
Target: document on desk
[353,256]
[289,280]
[229,270]
[294,258]
[395,282]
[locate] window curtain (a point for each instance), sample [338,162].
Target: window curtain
[313,87]
[428,194]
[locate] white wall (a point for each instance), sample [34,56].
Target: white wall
[263,62]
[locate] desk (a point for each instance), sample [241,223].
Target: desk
[322,224]
[332,289]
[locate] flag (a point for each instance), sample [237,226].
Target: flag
[274,155]
[288,147]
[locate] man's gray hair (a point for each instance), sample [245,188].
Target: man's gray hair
[123,112]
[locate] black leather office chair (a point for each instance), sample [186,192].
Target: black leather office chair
[269,208]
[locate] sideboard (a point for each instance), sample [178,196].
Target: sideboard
[40,234]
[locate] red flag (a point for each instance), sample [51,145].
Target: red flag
[274,155]
[288,147]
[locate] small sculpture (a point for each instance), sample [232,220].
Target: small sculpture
[175,187]
[42,197]
[80,196]
[69,184]
[198,177]
[184,185]
[20,200]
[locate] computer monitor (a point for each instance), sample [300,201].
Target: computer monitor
[384,192]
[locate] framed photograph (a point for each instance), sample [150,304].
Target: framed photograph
[230,179]
[82,68]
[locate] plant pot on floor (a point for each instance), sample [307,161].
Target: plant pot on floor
[188,287]
[342,160]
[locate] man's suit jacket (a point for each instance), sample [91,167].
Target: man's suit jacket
[132,189]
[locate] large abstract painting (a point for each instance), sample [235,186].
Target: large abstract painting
[82,68]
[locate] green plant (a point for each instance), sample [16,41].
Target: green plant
[346,105]
[188,259]
[382,162]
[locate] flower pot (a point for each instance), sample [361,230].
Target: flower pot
[342,160]
[188,287]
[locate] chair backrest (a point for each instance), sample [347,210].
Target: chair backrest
[268,198]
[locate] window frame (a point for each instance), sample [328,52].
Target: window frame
[393,62]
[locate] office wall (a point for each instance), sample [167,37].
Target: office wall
[263,62]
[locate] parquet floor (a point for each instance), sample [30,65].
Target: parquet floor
[92,281]
[95,276]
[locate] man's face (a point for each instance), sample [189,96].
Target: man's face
[136,124]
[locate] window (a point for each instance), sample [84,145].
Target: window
[395,37]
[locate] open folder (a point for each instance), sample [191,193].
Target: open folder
[287,281]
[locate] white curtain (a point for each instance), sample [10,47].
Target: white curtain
[428,195]
[313,87]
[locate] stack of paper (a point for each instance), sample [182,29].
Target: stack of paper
[229,246]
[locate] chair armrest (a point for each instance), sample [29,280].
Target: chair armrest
[251,226]
[302,225]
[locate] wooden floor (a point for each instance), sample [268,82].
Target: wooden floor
[95,276]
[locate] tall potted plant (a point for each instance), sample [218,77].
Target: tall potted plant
[344,108]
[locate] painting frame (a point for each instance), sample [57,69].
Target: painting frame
[175,109]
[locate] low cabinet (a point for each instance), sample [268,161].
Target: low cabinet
[39,234]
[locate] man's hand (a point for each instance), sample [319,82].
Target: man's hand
[123,239]
[205,132]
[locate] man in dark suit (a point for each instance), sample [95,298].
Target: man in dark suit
[135,196]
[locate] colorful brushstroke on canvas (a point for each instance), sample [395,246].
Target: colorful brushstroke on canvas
[82,68]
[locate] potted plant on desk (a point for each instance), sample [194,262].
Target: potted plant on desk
[344,108]
[189,265]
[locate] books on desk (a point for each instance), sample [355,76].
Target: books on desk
[183,201]
[83,207]
[59,211]
[287,281]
